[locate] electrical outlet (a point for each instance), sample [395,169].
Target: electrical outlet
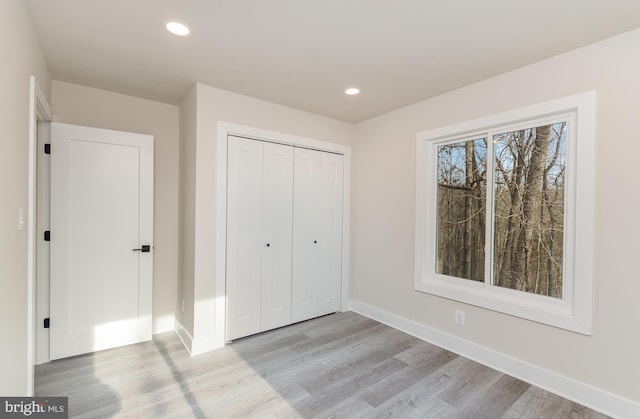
[459,317]
[20,218]
[182,305]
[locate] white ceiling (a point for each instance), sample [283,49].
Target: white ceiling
[304,53]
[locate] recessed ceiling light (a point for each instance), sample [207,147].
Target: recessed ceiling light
[352,91]
[178,28]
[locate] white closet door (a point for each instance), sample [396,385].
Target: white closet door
[284,235]
[244,241]
[306,187]
[329,245]
[277,230]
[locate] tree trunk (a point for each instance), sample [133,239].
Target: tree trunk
[507,275]
[531,200]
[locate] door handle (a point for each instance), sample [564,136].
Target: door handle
[145,248]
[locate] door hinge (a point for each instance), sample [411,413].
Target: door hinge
[46,323]
[47,236]
[47,149]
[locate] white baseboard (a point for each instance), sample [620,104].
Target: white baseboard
[184,336]
[197,346]
[585,394]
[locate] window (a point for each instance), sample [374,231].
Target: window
[504,212]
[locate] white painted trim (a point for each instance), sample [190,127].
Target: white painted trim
[196,346]
[221,234]
[225,129]
[569,388]
[39,110]
[43,209]
[184,336]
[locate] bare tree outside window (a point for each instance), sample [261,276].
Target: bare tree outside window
[529,190]
[462,195]
[527,209]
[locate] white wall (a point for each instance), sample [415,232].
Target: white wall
[383,202]
[80,105]
[214,105]
[188,126]
[20,56]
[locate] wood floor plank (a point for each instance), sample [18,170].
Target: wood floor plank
[348,409]
[355,359]
[337,366]
[420,352]
[113,360]
[538,403]
[418,398]
[340,329]
[87,376]
[327,351]
[225,383]
[340,389]
[470,379]
[388,387]
[496,399]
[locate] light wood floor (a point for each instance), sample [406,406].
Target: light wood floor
[338,366]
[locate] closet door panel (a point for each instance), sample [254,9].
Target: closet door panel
[244,242]
[277,230]
[330,234]
[305,234]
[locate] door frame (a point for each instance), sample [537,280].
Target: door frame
[225,129]
[39,111]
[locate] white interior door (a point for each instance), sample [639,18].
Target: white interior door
[306,189]
[330,234]
[259,236]
[101,214]
[277,230]
[244,236]
[317,233]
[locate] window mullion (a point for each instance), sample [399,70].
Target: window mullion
[488,251]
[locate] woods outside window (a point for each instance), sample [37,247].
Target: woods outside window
[504,212]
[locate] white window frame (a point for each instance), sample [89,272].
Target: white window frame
[573,310]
